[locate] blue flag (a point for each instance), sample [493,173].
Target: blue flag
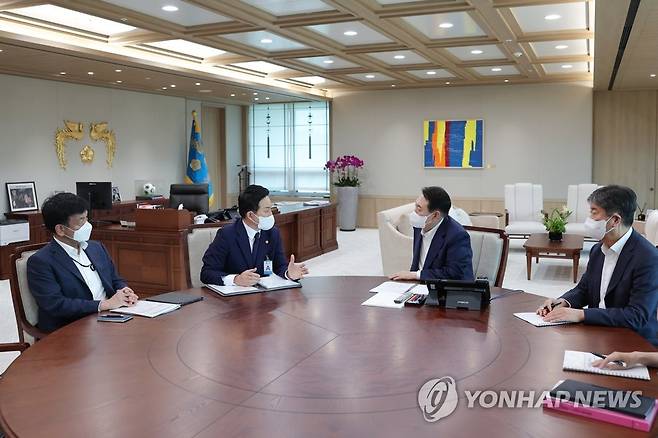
[197,169]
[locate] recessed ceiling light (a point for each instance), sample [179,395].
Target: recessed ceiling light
[267,98]
[62,72]
[448,83]
[90,73]
[147,78]
[393,85]
[431,72]
[255,98]
[508,41]
[266,41]
[496,69]
[173,86]
[506,80]
[567,66]
[399,57]
[118,82]
[446,25]
[118,70]
[205,91]
[232,94]
[551,17]
[124,19]
[350,33]
[328,61]
[652,75]
[476,52]
[170,8]
[370,76]
[561,46]
[164,88]
[518,54]
[254,93]
[1,50]
[197,83]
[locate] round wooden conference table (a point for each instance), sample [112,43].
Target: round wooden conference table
[302,362]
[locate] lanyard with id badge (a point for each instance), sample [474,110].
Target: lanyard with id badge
[267,266]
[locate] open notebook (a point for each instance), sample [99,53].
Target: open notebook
[582,361]
[271,282]
[149,309]
[537,320]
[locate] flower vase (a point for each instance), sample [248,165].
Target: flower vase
[348,200]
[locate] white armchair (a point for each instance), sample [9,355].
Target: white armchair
[523,206]
[577,195]
[198,242]
[651,227]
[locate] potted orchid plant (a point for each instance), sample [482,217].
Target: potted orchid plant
[556,223]
[344,171]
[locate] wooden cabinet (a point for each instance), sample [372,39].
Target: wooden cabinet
[328,227]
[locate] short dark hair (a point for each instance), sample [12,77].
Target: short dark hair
[437,199]
[57,209]
[249,199]
[616,199]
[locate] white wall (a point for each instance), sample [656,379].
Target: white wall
[152,134]
[534,133]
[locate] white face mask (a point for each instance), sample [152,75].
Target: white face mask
[82,234]
[416,220]
[265,222]
[596,229]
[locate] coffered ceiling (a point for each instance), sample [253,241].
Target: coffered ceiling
[295,49]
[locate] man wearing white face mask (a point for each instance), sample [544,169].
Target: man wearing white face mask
[249,248]
[73,276]
[620,285]
[442,248]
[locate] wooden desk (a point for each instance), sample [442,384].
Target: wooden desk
[540,246]
[303,362]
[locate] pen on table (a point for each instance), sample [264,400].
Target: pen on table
[603,356]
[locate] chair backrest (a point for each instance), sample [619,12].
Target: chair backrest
[25,306]
[651,227]
[395,238]
[194,197]
[577,195]
[490,250]
[198,241]
[524,201]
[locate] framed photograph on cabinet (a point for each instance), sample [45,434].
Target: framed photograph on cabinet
[22,196]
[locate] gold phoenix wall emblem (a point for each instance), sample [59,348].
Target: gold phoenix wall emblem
[72,130]
[87,154]
[75,131]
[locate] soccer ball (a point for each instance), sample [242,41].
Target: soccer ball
[149,189]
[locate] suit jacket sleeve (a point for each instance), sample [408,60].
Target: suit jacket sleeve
[578,297]
[214,261]
[117,281]
[279,261]
[641,303]
[48,294]
[459,256]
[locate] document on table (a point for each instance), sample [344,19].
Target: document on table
[149,309]
[582,361]
[274,282]
[227,291]
[384,299]
[537,320]
[393,287]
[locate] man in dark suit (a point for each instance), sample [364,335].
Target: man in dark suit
[73,276]
[250,247]
[442,248]
[620,285]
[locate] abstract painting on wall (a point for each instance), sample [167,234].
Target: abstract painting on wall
[452,144]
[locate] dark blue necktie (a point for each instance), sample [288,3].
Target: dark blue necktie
[254,249]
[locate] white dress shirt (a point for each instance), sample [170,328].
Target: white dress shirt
[251,234]
[611,255]
[426,241]
[91,277]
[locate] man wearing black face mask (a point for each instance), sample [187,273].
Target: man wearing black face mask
[73,276]
[442,248]
[620,285]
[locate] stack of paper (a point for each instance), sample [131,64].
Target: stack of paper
[149,309]
[384,299]
[232,290]
[272,282]
[582,361]
[393,286]
[537,320]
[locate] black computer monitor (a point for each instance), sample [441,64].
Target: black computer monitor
[98,194]
[194,197]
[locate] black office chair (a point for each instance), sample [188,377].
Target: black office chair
[194,197]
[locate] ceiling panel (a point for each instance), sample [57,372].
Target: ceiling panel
[350,33]
[399,57]
[260,66]
[264,40]
[447,25]
[545,49]
[187,48]
[497,70]
[186,15]
[370,77]
[70,18]
[431,73]
[566,67]
[289,7]
[477,53]
[555,17]
[328,62]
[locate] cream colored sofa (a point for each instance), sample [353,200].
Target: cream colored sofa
[396,241]
[651,227]
[198,242]
[577,195]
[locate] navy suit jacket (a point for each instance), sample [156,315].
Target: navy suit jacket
[450,255]
[58,287]
[230,254]
[632,296]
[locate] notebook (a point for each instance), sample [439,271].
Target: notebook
[582,361]
[384,299]
[175,298]
[537,320]
[271,282]
[149,309]
[228,291]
